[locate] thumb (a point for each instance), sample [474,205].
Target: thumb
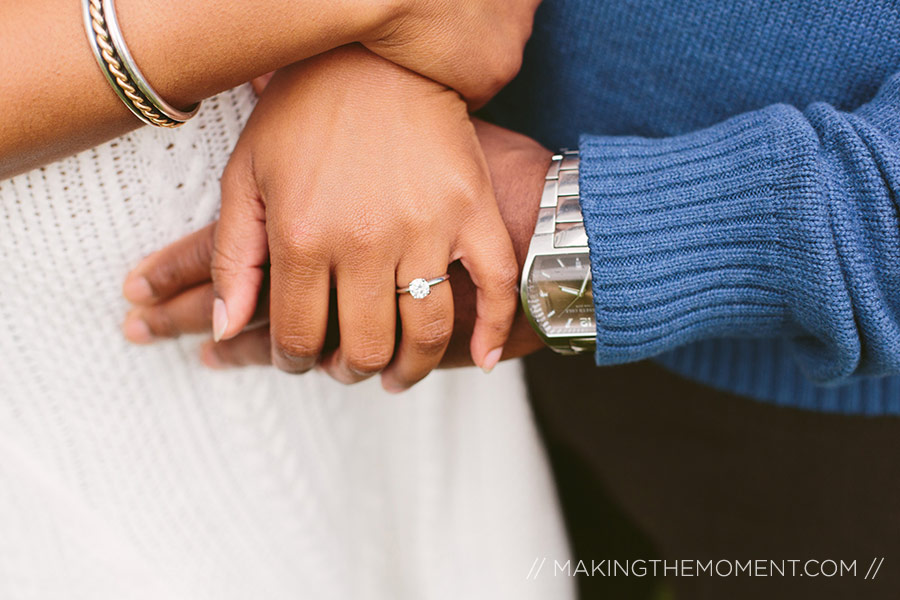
[489,258]
[240,251]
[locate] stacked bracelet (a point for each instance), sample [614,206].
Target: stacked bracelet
[121,71]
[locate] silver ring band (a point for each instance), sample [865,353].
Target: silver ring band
[420,288]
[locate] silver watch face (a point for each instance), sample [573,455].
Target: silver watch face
[559,295]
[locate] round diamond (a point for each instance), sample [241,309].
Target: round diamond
[419,288]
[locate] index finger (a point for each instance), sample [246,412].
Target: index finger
[172,270]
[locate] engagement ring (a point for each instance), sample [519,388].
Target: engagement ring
[420,288]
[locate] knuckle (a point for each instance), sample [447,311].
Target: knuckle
[499,327]
[161,323]
[506,274]
[368,358]
[432,337]
[295,272]
[164,276]
[221,262]
[295,346]
[504,65]
[510,63]
[297,245]
[291,236]
[367,236]
[500,282]
[469,185]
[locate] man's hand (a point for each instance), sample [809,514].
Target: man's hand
[182,297]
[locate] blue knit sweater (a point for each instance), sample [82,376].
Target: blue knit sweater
[740,177]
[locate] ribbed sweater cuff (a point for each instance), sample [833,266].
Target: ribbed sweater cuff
[685,233]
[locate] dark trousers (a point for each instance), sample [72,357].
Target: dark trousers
[650,465]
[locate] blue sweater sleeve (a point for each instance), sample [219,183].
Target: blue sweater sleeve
[778,222]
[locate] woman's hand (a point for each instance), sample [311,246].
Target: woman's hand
[479,42]
[182,294]
[355,172]
[473,46]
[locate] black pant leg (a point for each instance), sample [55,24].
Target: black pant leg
[705,474]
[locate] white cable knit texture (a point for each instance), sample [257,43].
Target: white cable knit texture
[130,472]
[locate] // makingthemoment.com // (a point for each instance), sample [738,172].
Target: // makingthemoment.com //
[810,567]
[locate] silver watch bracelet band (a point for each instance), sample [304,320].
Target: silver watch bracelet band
[560,215]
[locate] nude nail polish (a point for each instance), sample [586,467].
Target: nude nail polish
[491,359]
[220,319]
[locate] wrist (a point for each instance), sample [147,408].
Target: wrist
[376,20]
[354,67]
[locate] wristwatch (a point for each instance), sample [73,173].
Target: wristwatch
[556,281]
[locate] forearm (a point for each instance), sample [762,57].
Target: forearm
[55,101]
[781,222]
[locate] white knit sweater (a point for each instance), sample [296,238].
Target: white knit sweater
[130,472]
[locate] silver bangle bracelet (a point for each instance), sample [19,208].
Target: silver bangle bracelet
[120,70]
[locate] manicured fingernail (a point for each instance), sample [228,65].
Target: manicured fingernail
[136,289]
[136,330]
[220,319]
[491,359]
[211,358]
